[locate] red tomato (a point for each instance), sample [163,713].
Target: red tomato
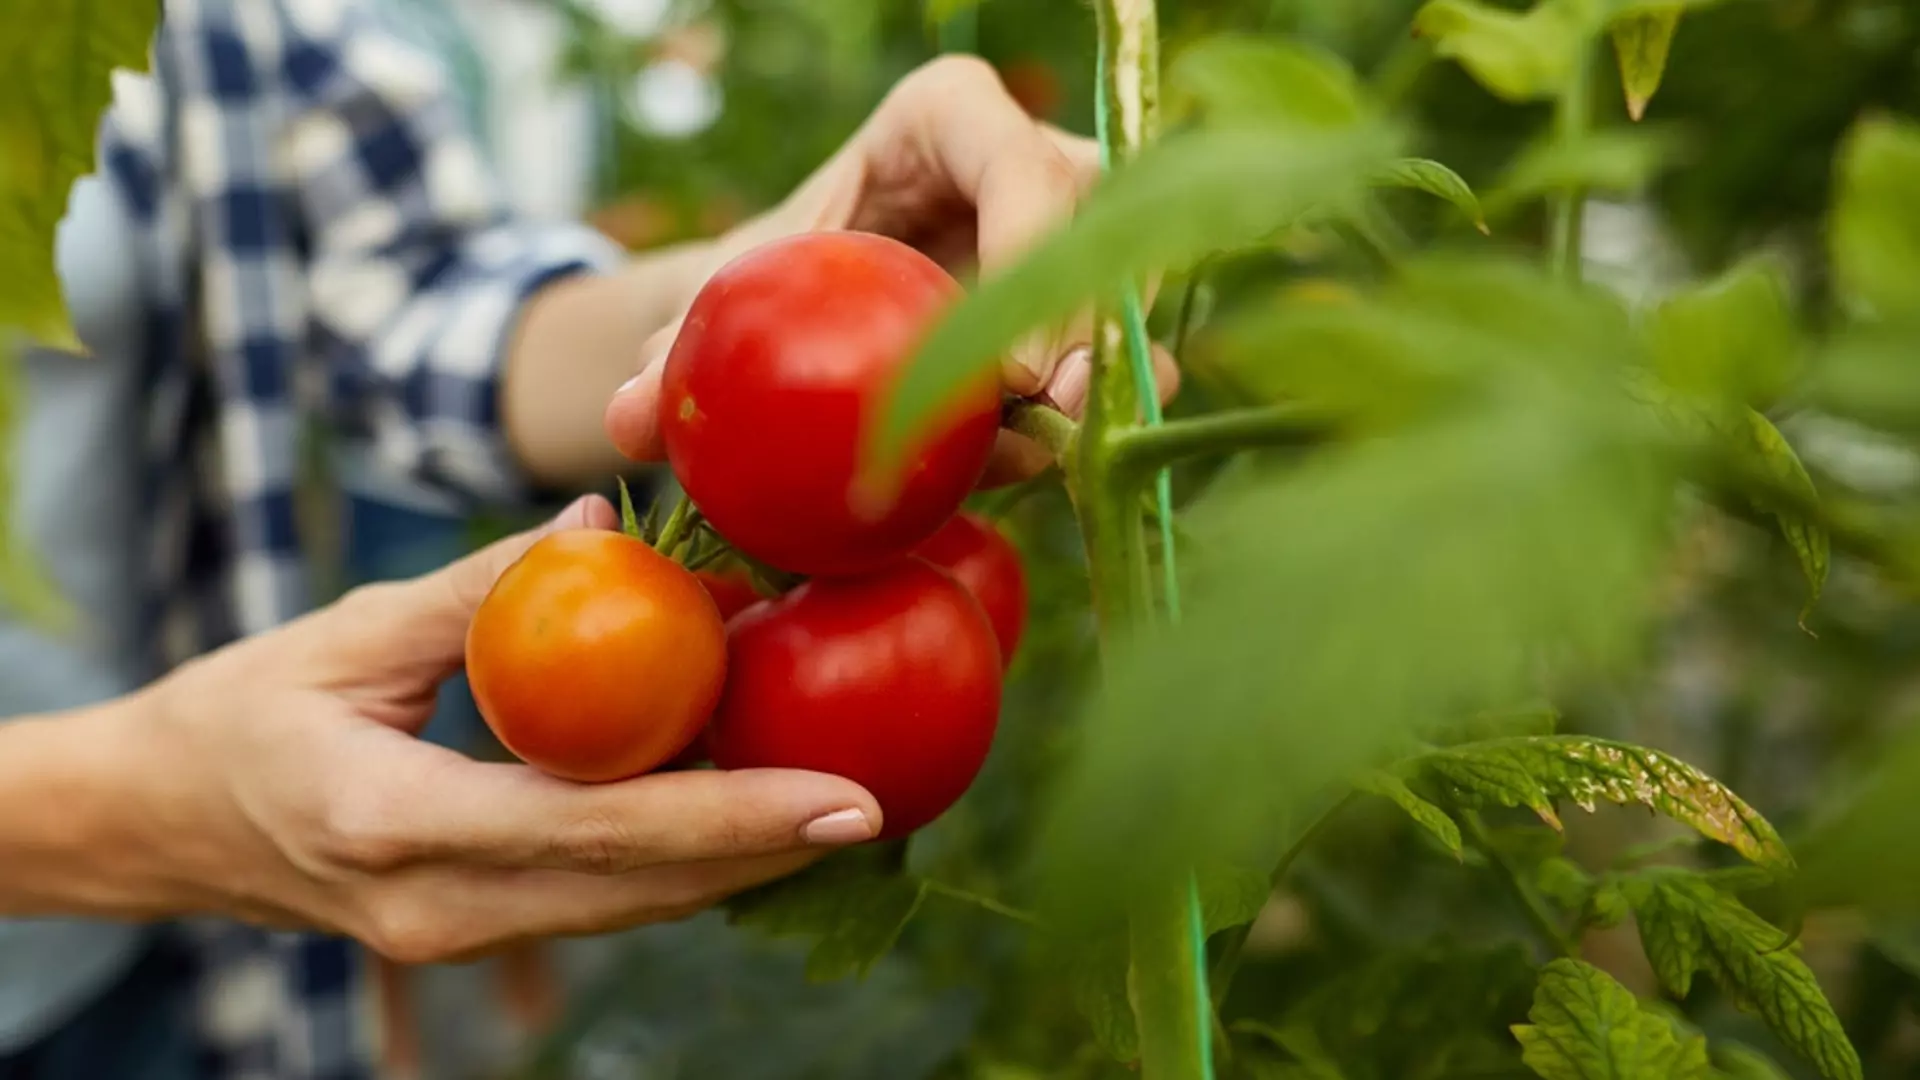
[732,594]
[974,552]
[781,365]
[891,680]
[595,657]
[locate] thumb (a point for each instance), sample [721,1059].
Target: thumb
[418,629]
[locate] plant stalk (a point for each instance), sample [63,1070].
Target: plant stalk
[1549,928]
[1140,452]
[1233,942]
[1572,111]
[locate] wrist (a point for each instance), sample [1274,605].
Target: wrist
[69,799]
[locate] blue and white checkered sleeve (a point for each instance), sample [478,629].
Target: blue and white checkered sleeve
[418,270]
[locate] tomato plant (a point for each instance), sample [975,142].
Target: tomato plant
[891,679]
[768,394]
[595,657]
[979,557]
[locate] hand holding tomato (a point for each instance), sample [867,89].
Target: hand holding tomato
[952,165]
[279,781]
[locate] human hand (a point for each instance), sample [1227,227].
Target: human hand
[283,783]
[952,165]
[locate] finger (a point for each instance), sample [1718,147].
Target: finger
[633,416]
[418,628]
[1020,181]
[457,811]
[1071,382]
[454,914]
[1015,458]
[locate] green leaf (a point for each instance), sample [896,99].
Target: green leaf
[1688,926]
[1860,850]
[1310,1059]
[1586,1026]
[1618,161]
[1867,373]
[1737,1062]
[1518,56]
[1234,79]
[1435,179]
[1182,199]
[629,521]
[1641,40]
[1811,545]
[1415,1013]
[1875,232]
[1381,576]
[853,904]
[1425,814]
[1732,339]
[58,61]
[1538,771]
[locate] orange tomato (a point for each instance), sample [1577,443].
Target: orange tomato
[596,658]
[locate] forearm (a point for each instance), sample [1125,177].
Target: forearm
[579,339]
[76,832]
[582,337]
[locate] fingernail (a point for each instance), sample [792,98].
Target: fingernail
[626,386]
[838,828]
[1068,390]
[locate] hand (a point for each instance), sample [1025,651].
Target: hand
[951,164]
[281,782]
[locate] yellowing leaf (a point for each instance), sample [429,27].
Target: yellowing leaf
[1586,1026]
[1538,771]
[1686,926]
[1641,40]
[58,59]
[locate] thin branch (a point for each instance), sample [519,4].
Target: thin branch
[1543,921]
[1142,451]
[985,903]
[1233,941]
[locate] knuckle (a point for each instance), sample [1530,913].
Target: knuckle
[956,72]
[598,843]
[356,829]
[406,931]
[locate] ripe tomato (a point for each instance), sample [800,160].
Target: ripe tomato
[974,552]
[595,657]
[732,593]
[891,680]
[782,363]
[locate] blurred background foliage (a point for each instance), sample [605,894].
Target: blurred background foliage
[712,109]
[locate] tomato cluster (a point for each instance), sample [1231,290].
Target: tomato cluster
[600,658]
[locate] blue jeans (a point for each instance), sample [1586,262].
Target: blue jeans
[140,1029]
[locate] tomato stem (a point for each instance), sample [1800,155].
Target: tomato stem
[679,523]
[1043,424]
[1530,902]
[1233,941]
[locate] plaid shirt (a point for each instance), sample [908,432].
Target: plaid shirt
[318,243]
